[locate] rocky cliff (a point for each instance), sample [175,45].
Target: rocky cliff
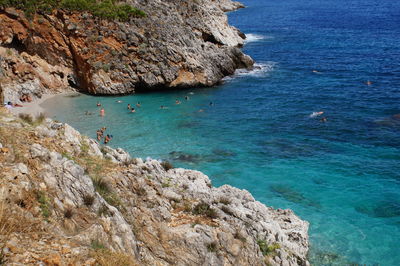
[178,44]
[66,200]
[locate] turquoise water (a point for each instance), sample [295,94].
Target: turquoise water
[342,175]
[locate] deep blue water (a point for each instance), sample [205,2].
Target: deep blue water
[342,175]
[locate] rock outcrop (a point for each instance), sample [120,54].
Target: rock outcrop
[178,44]
[68,200]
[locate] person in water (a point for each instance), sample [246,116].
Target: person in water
[99,134]
[177,101]
[98,104]
[187,98]
[138,104]
[324,119]
[315,114]
[129,106]
[107,138]
[133,110]
[211,103]
[102,112]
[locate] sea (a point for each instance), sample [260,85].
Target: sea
[263,130]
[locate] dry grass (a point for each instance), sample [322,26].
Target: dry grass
[105,257]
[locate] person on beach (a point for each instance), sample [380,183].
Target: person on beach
[133,110]
[98,104]
[102,112]
[129,106]
[138,104]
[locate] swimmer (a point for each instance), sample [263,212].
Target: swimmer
[315,71]
[368,82]
[211,104]
[138,104]
[315,114]
[177,101]
[324,119]
[187,98]
[163,107]
[133,110]
[107,139]
[99,134]
[98,104]
[102,112]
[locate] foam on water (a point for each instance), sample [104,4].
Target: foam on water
[259,70]
[250,37]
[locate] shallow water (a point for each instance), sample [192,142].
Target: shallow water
[342,175]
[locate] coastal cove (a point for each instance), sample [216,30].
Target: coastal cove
[342,176]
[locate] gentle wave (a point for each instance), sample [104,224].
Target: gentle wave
[251,37]
[258,70]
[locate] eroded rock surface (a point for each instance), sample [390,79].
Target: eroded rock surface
[82,203]
[178,44]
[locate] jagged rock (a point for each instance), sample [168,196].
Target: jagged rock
[158,217]
[71,135]
[178,44]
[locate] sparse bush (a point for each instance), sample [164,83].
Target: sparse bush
[225,201]
[227,210]
[106,257]
[204,209]
[107,9]
[167,165]
[88,200]
[26,118]
[44,203]
[29,119]
[68,213]
[239,236]
[267,250]
[96,244]
[103,211]
[212,247]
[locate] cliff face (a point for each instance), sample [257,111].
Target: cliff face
[178,44]
[65,200]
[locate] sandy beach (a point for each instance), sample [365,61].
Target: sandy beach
[35,107]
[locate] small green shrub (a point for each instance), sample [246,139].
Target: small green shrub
[88,200]
[44,203]
[106,9]
[26,118]
[96,244]
[267,250]
[204,209]
[212,247]
[225,201]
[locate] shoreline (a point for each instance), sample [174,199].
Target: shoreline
[36,107]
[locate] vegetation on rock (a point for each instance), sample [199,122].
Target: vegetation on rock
[107,9]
